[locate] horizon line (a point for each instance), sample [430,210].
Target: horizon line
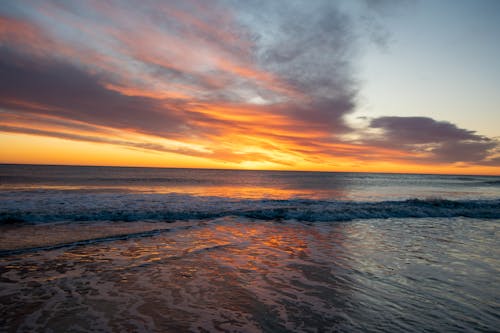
[253,170]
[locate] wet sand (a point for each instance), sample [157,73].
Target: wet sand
[243,275]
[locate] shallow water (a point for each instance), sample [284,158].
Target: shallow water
[243,275]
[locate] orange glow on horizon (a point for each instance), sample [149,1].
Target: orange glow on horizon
[30,149]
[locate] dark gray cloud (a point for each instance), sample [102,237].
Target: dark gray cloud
[419,130]
[465,151]
[324,115]
[442,141]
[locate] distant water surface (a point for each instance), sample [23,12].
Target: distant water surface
[249,184]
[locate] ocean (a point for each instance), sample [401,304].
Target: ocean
[112,249]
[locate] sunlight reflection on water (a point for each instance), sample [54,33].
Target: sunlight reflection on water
[246,183]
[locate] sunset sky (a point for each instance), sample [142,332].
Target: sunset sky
[391,86]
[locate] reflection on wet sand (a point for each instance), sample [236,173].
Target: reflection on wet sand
[248,276]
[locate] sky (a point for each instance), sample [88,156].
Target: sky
[369,86]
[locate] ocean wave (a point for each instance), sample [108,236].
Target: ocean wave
[23,208]
[492,182]
[150,233]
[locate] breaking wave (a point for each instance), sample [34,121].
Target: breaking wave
[26,208]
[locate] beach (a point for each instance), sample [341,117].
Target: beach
[177,250]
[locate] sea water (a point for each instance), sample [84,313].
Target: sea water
[107,249]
